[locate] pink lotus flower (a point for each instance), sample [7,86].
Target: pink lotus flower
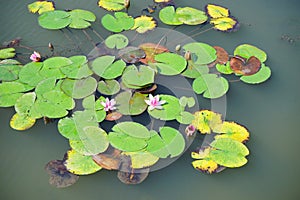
[190,130]
[109,104]
[35,57]
[154,102]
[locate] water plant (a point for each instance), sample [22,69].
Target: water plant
[94,97]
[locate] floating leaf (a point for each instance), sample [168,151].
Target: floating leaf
[117,23]
[222,55]
[112,5]
[29,73]
[108,87]
[110,159]
[113,116]
[7,53]
[79,89]
[216,11]
[143,24]
[233,131]
[191,16]
[156,145]
[25,103]
[136,78]
[141,159]
[51,67]
[125,142]
[9,70]
[41,6]
[107,68]
[21,122]
[131,104]
[78,69]
[195,70]
[151,50]
[207,121]
[187,101]
[117,41]
[185,117]
[132,129]
[93,140]
[224,23]
[67,128]
[54,20]
[201,53]
[228,152]
[205,163]
[171,109]
[79,164]
[246,67]
[247,50]
[262,75]
[170,63]
[210,85]
[168,16]
[224,69]
[81,18]
[131,54]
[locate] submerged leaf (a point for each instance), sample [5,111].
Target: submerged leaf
[131,54]
[110,159]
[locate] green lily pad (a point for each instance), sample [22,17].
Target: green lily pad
[9,70]
[95,107]
[93,140]
[132,129]
[261,76]
[136,78]
[30,73]
[195,70]
[117,41]
[171,109]
[131,104]
[7,53]
[108,87]
[211,86]
[41,6]
[106,68]
[125,142]
[224,69]
[187,101]
[143,24]
[202,53]
[185,118]
[191,16]
[51,67]
[117,23]
[78,69]
[8,100]
[170,63]
[112,5]
[81,19]
[79,89]
[44,86]
[156,145]
[25,103]
[67,128]
[79,164]
[141,159]
[228,152]
[53,20]
[168,16]
[21,122]
[247,50]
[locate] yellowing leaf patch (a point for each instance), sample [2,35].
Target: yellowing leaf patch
[41,6]
[207,121]
[143,24]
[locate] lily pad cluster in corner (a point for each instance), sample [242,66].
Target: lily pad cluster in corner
[226,150]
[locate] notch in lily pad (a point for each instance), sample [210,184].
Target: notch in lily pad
[117,41]
[119,22]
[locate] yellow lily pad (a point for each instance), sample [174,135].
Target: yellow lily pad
[21,122]
[207,121]
[234,131]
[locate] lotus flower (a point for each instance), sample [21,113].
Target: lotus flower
[109,104]
[190,130]
[154,102]
[35,57]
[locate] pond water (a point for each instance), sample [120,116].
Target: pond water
[269,110]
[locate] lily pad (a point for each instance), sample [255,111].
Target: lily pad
[170,63]
[24,104]
[112,5]
[110,159]
[117,41]
[30,73]
[141,159]
[67,128]
[51,67]
[201,53]
[132,129]
[54,20]
[79,89]
[60,177]
[41,6]
[79,164]
[78,69]
[187,101]
[131,54]
[191,16]
[185,117]
[233,131]
[195,70]
[207,121]
[136,78]
[228,152]
[21,122]
[151,50]
[216,11]
[113,116]
[81,19]
[131,104]
[7,53]
[261,76]
[143,24]
[171,109]
[222,55]
[245,67]
[9,70]
[108,87]
[247,50]
[107,68]
[226,24]
[117,23]
[168,16]
[224,69]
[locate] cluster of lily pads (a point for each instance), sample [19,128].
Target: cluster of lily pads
[84,92]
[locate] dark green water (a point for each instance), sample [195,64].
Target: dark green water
[270,111]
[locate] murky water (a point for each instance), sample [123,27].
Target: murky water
[270,111]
